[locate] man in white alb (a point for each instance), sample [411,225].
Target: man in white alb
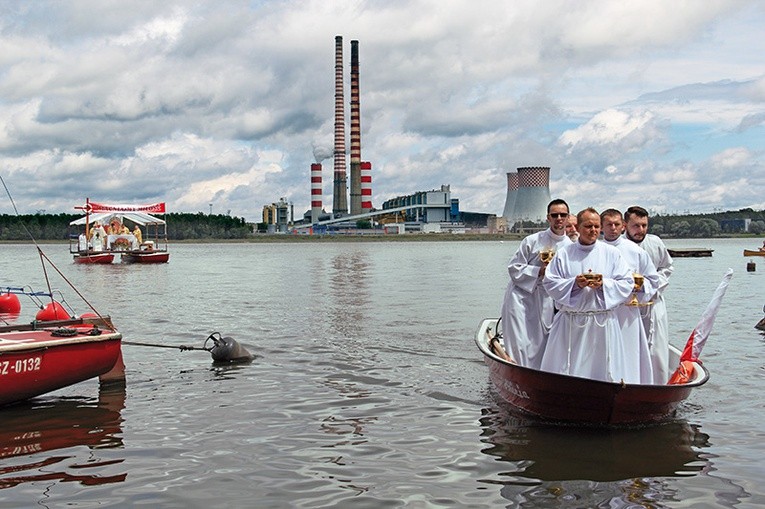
[656,322]
[635,337]
[587,280]
[527,311]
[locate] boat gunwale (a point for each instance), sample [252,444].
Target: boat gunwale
[701,373]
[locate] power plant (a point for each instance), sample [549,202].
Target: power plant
[528,193]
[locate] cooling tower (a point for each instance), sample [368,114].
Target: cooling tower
[315,192]
[355,132]
[340,193]
[512,192]
[533,194]
[366,187]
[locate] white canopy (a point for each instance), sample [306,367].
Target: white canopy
[104,218]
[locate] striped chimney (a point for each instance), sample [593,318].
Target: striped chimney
[315,192]
[533,194]
[340,195]
[512,194]
[355,132]
[366,187]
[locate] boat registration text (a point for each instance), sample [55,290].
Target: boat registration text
[20,366]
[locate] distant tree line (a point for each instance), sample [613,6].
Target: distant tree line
[688,225]
[180,226]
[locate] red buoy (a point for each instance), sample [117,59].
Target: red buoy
[9,303]
[53,311]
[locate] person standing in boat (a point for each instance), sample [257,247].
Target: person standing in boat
[587,280]
[656,322]
[138,236]
[527,310]
[638,356]
[571,228]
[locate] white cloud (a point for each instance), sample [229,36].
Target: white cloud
[188,102]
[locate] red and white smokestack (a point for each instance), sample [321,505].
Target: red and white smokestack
[366,187]
[340,193]
[355,132]
[315,192]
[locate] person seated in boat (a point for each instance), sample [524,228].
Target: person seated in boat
[636,346]
[762,248]
[587,280]
[527,310]
[138,235]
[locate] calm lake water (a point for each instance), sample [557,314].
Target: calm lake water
[366,391]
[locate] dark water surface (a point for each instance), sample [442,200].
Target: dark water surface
[366,391]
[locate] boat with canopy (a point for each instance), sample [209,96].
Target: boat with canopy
[133,232]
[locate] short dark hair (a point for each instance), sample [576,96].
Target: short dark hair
[635,210]
[609,213]
[557,201]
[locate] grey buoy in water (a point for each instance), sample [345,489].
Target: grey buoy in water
[226,349]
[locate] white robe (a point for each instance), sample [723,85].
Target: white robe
[656,322]
[527,310]
[636,349]
[585,339]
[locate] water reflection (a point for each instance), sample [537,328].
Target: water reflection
[35,433]
[349,293]
[591,466]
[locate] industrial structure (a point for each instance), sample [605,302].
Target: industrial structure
[340,188]
[316,191]
[528,193]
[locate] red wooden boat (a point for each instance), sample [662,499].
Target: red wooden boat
[41,357]
[93,257]
[565,398]
[145,256]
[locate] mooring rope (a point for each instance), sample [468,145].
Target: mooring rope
[182,348]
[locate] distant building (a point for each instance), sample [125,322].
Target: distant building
[446,211]
[735,225]
[276,216]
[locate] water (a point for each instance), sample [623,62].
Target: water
[366,391]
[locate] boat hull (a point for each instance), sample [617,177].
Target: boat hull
[564,398]
[91,258]
[36,361]
[692,252]
[751,252]
[145,257]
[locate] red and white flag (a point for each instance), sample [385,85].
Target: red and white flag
[698,337]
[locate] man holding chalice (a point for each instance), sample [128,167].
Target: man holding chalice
[588,280]
[647,282]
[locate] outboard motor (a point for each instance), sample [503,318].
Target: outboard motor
[226,349]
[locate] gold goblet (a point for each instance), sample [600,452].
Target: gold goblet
[546,255]
[592,277]
[638,284]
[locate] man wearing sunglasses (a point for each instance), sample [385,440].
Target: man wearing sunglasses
[527,310]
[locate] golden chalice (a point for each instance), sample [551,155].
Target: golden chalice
[638,285]
[546,255]
[592,277]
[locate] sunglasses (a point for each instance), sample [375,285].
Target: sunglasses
[558,215]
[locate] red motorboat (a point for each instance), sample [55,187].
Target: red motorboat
[40,357]
[145,256]
[565,398]
[93,257]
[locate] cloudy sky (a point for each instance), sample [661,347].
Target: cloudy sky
[227,102]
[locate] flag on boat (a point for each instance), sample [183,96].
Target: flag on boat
[698,337]
[154,208]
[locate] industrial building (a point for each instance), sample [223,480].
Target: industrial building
[528,193]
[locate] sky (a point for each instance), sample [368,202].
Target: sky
[221,106]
